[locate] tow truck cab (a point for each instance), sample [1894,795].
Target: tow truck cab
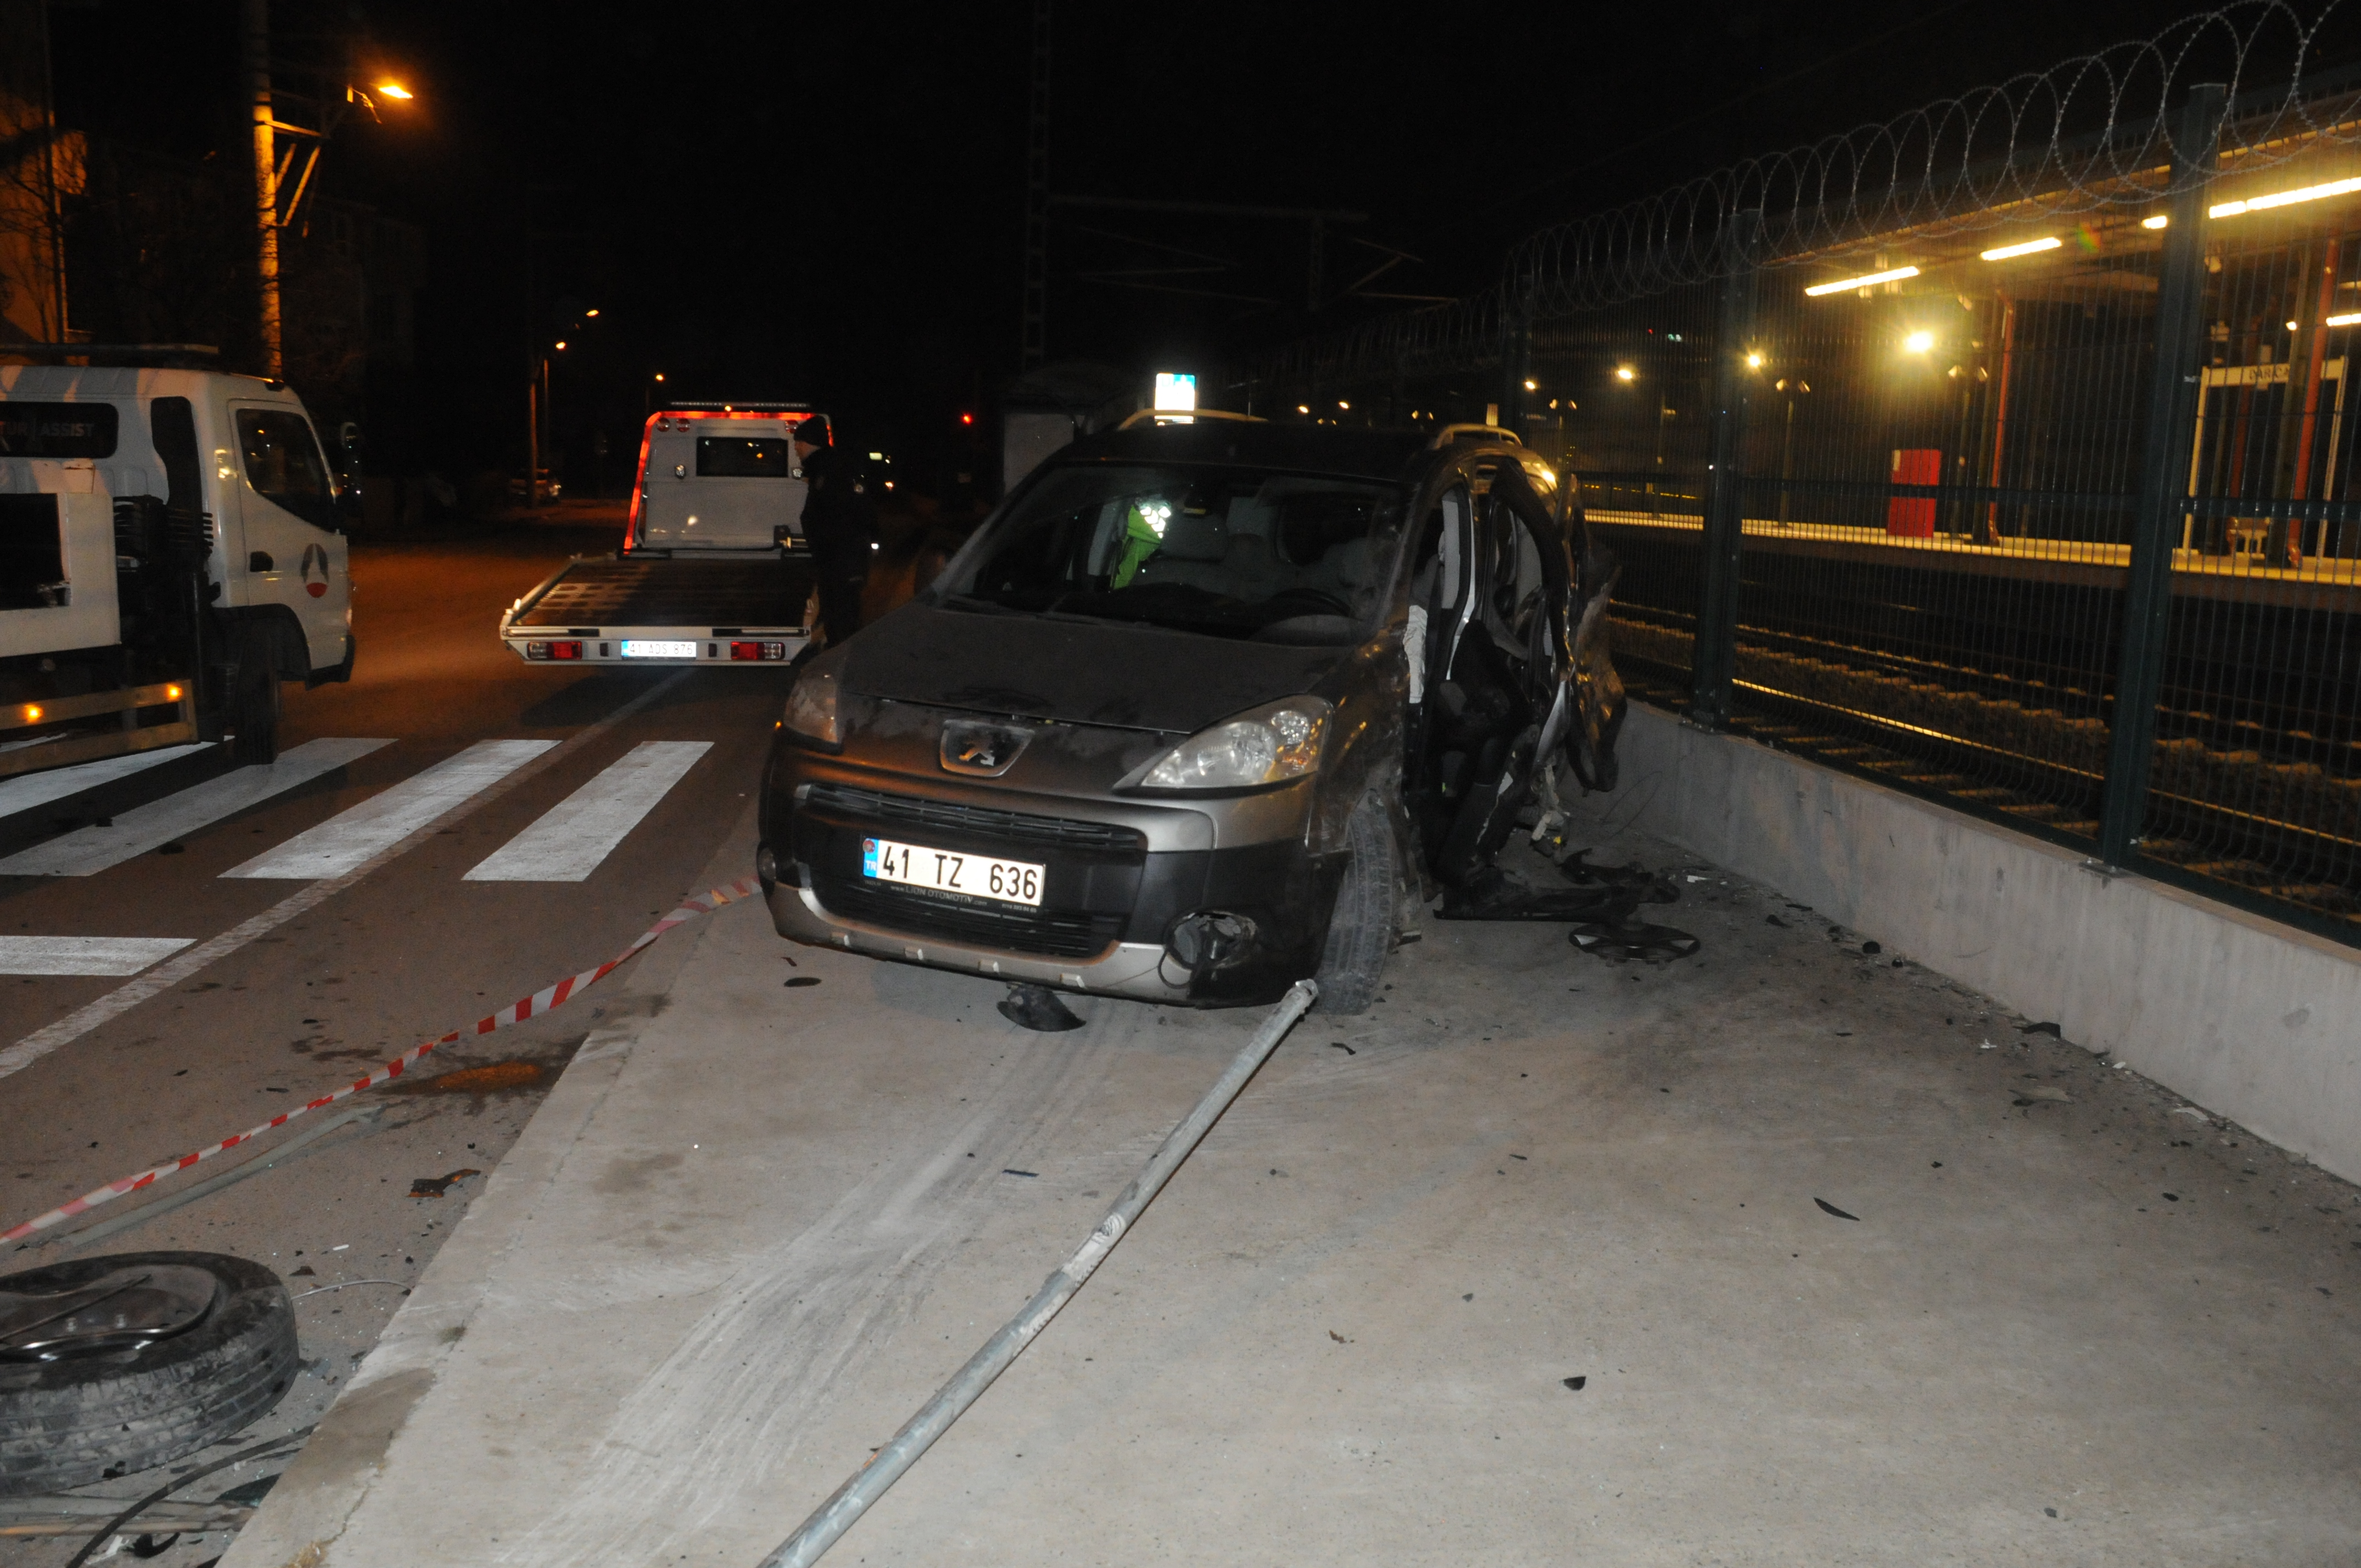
[170,552]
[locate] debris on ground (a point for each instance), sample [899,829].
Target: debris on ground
[802,980]
[1636,939]
[2045,1093]
[1828,1208]
[436,1186]
[1038,1008]
[2050,1029]
[1574,1383]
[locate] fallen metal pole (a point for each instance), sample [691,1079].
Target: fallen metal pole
[868,1483]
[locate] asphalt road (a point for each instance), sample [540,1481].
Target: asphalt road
[409,950]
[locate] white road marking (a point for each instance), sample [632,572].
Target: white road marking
[583,829]
[89,851]
[350,838]
[85,955]
[39,789]
[164,976]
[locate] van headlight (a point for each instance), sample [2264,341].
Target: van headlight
[812,705]
[1266,745]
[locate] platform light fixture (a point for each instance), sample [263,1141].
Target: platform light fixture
[1624,372]
[2156,221]
[2284,197]
[1866,280]
[2030,247]
[1919,342]
[2354,319]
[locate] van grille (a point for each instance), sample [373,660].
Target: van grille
[1010,826]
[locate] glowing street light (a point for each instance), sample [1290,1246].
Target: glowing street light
[1754,361]
[395,91]
[1624,372]
[1533,386]
[2156,221]
[1866,280]
[2030,247]
[1918,342]
[2352,320]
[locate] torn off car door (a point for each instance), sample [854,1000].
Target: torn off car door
[1508,608]
[1489,601]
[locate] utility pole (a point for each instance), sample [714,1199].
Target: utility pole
[266,184]
[1035,346]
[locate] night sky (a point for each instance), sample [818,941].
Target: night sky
[826,201]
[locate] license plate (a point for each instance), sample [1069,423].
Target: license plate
[639,648]
[980,876]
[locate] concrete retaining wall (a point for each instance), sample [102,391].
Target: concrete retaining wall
[2251,1019]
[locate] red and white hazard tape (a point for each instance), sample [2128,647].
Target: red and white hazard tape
[540,1002]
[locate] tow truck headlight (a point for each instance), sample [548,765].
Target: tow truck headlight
[812,704]
[1266,745]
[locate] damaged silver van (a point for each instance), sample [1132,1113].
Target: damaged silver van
[1195,709]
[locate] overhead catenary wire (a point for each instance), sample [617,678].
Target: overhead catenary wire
[2089,134]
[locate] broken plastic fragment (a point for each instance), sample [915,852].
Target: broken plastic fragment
[433,1187]
[1574,1383]
[1638,940]
[1828,1208]
[1038,1008]
[802,980]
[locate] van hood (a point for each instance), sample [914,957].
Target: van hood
[1131,677]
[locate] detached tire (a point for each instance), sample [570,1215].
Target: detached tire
[254,699]
[67,1422]
[1361,930]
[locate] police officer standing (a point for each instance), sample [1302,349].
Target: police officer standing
[839,525]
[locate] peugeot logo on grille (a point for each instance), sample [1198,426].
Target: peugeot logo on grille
[986,750]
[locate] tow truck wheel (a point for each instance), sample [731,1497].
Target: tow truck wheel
[1361,931]
[254,700]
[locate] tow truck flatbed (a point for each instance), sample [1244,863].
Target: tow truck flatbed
[648,608]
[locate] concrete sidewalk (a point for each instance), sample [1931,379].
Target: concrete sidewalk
[755,1226]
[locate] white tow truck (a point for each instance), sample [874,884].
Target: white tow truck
[170,552]
[713,569]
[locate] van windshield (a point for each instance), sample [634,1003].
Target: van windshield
[1228,552]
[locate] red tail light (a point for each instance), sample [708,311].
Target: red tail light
[565,650]
[745,650]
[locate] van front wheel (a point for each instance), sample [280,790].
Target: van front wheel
[1361,930]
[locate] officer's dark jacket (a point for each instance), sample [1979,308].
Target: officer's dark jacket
[839,519]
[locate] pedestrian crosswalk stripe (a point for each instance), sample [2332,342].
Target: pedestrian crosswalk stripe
[573,836]
[383,820]
[88,850]
[25,793]
[85,955]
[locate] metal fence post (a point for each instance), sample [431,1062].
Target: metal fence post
[1715,659]
[1516,344]
[2156,526]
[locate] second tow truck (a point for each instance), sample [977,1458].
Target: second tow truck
[713,569]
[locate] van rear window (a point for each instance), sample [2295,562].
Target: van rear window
[57,429]
[744,457]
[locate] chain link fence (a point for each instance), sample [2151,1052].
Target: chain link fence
[2002,453]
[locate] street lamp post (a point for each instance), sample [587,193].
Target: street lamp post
[255,29]
[265,183]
